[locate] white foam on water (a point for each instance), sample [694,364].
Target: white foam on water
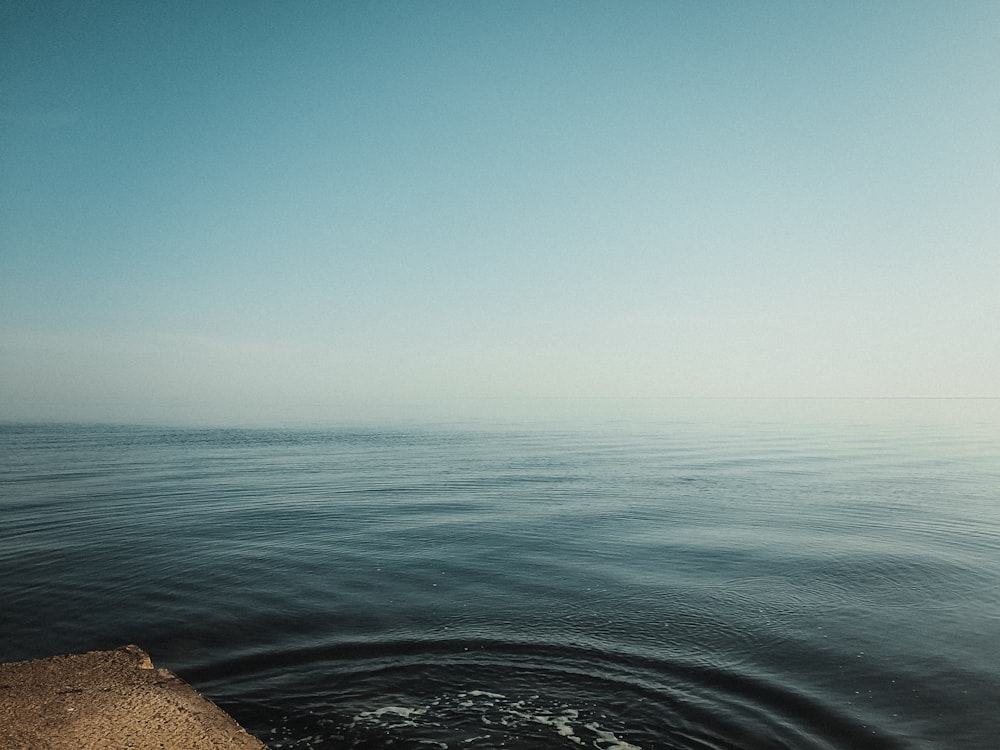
[561,723]
[494,711]
[608,739]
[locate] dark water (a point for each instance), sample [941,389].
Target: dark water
[723,575]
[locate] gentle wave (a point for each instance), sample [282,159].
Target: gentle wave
[649,583]
[481,693]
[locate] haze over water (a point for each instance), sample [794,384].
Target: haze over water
[231,214]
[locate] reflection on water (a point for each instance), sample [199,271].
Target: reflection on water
[651,574]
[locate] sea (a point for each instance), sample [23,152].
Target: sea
[652,573]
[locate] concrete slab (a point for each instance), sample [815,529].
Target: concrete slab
[109,700]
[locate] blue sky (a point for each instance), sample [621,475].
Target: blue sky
[252,211]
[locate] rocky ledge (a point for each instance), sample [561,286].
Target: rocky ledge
[109,700]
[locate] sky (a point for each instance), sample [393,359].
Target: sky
[252,211]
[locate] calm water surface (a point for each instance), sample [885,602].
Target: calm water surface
[663,575]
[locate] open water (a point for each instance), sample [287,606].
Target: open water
[688,575]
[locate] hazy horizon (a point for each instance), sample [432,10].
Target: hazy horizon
[251,213]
